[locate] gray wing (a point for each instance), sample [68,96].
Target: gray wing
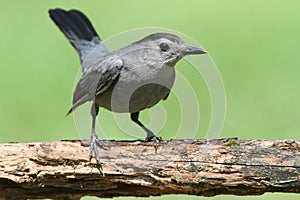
[96,79]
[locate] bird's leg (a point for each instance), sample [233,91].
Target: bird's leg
[94,143]
[150,134]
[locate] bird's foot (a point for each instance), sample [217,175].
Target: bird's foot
[94,143]
[94,151]
[155,141]
[153,138]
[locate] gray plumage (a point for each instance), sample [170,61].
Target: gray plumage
[129,79]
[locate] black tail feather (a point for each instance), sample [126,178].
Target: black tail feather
[74,25]
[83,24]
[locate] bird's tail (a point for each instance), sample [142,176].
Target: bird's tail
[77,28]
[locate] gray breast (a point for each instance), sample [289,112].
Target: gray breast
[137,88]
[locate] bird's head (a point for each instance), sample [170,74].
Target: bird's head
[166,48]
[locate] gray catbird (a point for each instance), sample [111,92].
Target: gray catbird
[129,79]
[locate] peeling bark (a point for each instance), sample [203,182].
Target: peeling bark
[61,170]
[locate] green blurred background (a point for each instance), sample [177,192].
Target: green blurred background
[255,45]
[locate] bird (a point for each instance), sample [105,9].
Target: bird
[126,80]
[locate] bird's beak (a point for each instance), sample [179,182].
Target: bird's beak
[193,50]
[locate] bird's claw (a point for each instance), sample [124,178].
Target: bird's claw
[153,138]
[155,141]
[94,151]
[94,143]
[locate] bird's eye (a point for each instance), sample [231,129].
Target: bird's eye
[164,47]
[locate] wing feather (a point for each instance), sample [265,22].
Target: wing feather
[96,79]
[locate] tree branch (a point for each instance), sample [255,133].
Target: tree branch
[132,168]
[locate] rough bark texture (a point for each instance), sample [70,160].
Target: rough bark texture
[61,170]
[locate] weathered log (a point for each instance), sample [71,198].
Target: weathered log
[59,170]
